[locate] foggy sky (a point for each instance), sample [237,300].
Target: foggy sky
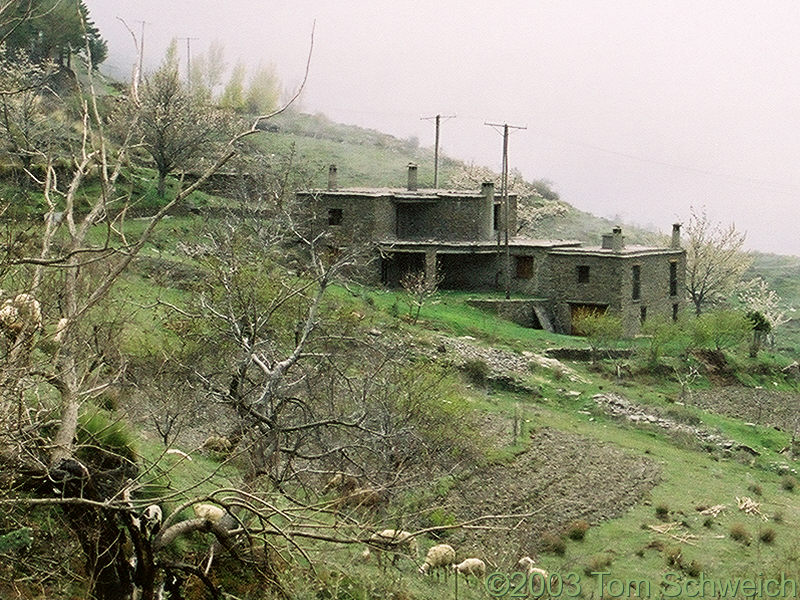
[634,109]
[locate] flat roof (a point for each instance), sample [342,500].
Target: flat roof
[484,246]
[400,193]
[626,251]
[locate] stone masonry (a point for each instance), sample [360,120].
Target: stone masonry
[457,237]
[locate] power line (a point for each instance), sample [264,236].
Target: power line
[437,118]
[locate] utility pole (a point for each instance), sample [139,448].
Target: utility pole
[141,53]
[188,59]
[504,201]
[438,119]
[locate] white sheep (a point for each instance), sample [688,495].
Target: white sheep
[343,482]
[526,563]
[396,541]
[151,520]
[439,558]
[474,567]
[209,512]
[365,497]
[21,312]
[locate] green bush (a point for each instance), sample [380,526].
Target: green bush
[662,511]
[767,535]
[739,532]
[476,370]
[788,483]
[755,489]
[674,556]
[577,530]
[600,329]
[720,329]
[16,540]
[99,430]
[693,568]
[597,563]
[554,544]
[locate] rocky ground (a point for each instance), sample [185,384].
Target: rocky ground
[770,408]
[561,477]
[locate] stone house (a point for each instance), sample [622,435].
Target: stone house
[458,237]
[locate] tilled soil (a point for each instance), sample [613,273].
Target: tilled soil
[560,478]
[766,407]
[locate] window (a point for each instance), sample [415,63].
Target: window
[642,313]
[334,216]
[674,312]
[524,267]
[673,278]
[636,280]
[496,216]
[583,274]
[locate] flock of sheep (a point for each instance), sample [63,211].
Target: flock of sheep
[440,558]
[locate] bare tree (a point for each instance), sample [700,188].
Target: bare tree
[175,127]
[715,260]
[83,250]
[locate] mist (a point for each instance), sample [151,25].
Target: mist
[634,111]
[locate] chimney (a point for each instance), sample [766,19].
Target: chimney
[332,183]
[412,177]
[617,239]
[676,236]
[487,190]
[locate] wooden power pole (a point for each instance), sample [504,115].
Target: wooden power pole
[504,203]
[188,59]
[438,119]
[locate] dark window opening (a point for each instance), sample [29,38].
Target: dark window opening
[673,278]
[335,216]
[674,312]
[524,267]
[583,274]
[496,217]
[636,277]
[642,313]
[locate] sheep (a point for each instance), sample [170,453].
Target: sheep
[343,482]
[439,558]
[366,497]
[526,563]
[471,566]
[151,520]
[20,313]
[394,540]
[218,444]
[61,330]
[209,512]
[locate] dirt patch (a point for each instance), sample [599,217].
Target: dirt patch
[561,477]
[770,408]
[716,367]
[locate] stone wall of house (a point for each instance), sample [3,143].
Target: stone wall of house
[610,283]
[468,271]
[654,297]
[446,219]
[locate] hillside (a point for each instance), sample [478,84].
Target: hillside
[369,158]
[248,417]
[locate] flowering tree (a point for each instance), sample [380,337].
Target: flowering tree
[715,261]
